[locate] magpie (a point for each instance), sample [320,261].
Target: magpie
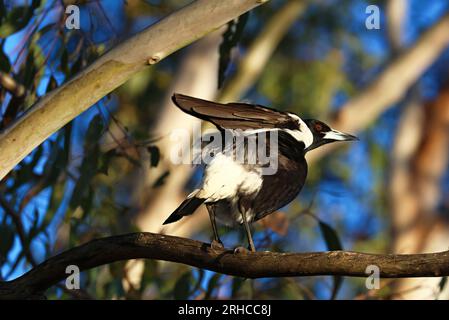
[238,193]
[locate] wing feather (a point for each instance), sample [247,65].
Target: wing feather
[234,115]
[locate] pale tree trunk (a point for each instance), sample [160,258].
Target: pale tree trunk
[197,76]
[416,224]
[403,205]
[396,11]
[412,194]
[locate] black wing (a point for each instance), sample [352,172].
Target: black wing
[234,115]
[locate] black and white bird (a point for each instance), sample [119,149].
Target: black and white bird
[238,193]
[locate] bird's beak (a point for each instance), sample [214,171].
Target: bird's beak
[336,135]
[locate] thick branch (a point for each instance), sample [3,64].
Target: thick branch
[112,70]
[198,254]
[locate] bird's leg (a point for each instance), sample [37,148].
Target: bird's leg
[248,231]
[216,242]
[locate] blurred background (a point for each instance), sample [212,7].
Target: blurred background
[108,171]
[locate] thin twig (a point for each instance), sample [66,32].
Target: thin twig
[17,221]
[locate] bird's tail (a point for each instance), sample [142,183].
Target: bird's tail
[186,208]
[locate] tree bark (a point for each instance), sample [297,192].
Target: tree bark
[236,263]
[111,70]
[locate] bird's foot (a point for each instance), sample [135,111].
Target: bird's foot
[241,250]
[216,245]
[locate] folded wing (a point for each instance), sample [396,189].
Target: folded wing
[235,115]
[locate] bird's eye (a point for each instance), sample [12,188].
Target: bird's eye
[318,127]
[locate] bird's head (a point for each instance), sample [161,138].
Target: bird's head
[323,134]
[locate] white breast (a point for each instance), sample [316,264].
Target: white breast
[224,178]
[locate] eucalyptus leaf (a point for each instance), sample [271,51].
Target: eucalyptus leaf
[181,290]
[333,243]
[231,38]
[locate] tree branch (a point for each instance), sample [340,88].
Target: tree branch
[199,254]
[261,50]
[111,70]
[11,85]
[17,221]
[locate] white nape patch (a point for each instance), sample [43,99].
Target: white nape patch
[303,134]
[224,178]
[335,135]
[294,116]
[193,193]
[256,131]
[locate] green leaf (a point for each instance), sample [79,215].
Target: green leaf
[65,62]
[333,243]
[82,193]
[442,283]
[87,201]
[199,280]
[6,238]
[230,39]
[52,84]
[5,65]
[181,290]
[161,180]
[77,65]
[17,18]
[155,155]
[330,237]
[213,284]
[37,36]
[56,162]
[82,188]
[34,229]
[30,69]
[2,11]
[237,283]
[35,4]
[338,280]
[95,130]
[36,157]
[104,161]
